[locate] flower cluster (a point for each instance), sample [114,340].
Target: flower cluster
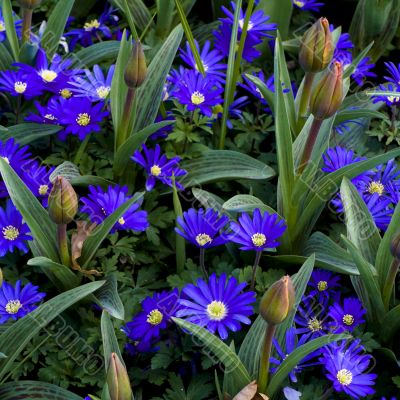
[379,188]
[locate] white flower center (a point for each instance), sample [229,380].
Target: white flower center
[10,233]
[13,306]
[48,75]
[348,319]
[314,325]
[345,377]
[258,239]
[202,239]
[322,286]
[103,91]
[299,3]
[122,221]
[93,24]
[155,170]
[83,119]
[154,317]
[217,310]
[376,187]
[2,26]
[249,25]
[20,87]
[197,98]
[43,189]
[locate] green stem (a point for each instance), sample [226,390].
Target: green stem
[389,283]
[63,244]
[202,263]
[26,25]
[305,99]
[255,265]
[126,116]
[310,143]
[180,248]
[81,150]
[264,359]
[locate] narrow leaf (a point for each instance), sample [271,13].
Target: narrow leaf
[10,28]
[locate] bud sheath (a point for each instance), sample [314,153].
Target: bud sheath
[63,201]
[136,69]
[119,386]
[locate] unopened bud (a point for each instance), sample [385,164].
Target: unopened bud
[395,247]
[278,301]
[29,4]
[316,47]
[63,201]
[136,69]
[327,96]
[118,383]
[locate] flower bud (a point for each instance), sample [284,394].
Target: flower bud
[136,69]
[278,301]
[63,201]
[29,4]
[316,47]
[118,383]
[395,247]
[327,96]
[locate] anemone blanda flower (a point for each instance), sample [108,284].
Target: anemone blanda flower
[394,73]
[292,342]
[203,229]
[96,86]
[99,204]
[46,114]
[146,327]
[14,233]
[323,284]
[347,316]
[210,58]
[162,133]
[158,166]
[17,301]
[198,92]
[93,28]
[53,77]
[257,233]
[219,305]
[390,99]
[80,117]
[235,110]
[381,209]
[18,83]
[250,87]
[363,71]
[308,5]
[346,368]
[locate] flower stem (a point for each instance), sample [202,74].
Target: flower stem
[126,116]
[264,359]
[26,25]
[63,244]
[180,248]
[255,265]
[81,150]
[305,99]
[202,263]
[389,283]
[310,143]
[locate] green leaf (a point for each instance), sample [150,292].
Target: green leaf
[14,340]
[251,347]
[207,199]
[266,93]
[133,143]
[353,66]
[63,276]
[108,298]
[110,342]
[97,53]
[149,95]
[26,133]
[361,228]
[35,390]
[55,26]
[391,324]
[384,257]
[246,203]
[10,28]
[36,217]
[6,59]
[218,165]
[348,114]
[140,14]
[296,356]
[93,242]
[224,353]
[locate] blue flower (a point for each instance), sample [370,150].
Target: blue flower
[381,209]
[345,368]
[96,87]
[146,327]
[394,73]
[198,92]
[218,305]
[346,316]
[291,344]
[18,83]
[323,284]
[210,59]
[203,229]
[258,233]
[80,117]
[158,166]
[249,86]
[99,204]
[308,5]
[363,71]
[3,33]
[16,302]
[13,231]
[390,100]
[46,114]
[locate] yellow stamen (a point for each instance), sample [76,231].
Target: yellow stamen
[376,187]
[217,310]
[155,170]
[6,160]
[48,75]
[121,221]
[20,87]
[66,93]
[154,317]
[83,119]
[348,319]
[322,286]
[2,26]
[202,239]
[314,325]
[13,306]
[197,98]
[93,24]
[10,232]
[258,239]
[50,116]
[43,189]
[345,377]
[103,91]
[299,3]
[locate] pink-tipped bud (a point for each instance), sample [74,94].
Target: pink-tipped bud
[119,386]
[136,69]
[327,96]
[63,201]
[316,47]
[278,301]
